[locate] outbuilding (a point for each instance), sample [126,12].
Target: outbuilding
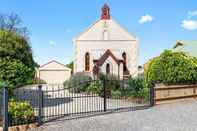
[53,72]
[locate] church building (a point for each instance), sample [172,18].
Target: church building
[106,47]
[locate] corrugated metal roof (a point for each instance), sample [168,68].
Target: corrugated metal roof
[189,47]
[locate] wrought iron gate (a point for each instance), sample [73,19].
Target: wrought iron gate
[96,97]
[53,101]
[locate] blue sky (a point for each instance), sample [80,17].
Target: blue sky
[53,23]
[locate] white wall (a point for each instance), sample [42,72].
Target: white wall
[119,41]
[54,73]
[54,76]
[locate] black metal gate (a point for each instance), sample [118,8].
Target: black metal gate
[70,101]
[54,101]
[1,108]
[97,96]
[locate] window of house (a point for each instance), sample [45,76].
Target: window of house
[107,68]
[124,56]
[87,61]
[105,35]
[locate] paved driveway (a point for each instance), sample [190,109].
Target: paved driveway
[180,116]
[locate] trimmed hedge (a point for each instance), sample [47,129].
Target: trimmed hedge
[172,68]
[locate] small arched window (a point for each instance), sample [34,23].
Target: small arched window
[107,68]
[105,35]
[124,56]
[87,61]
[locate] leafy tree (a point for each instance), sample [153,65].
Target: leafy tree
[70,65]
[172,68]
[16,61]
[13,23]
[14,46]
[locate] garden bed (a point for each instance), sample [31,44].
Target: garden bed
[22,127]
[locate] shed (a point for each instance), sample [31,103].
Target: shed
[54,72]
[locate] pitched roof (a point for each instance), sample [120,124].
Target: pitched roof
[96,30]
[59,66]
[107,54]
[189,47]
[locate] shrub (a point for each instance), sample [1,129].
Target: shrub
[20,112]
[14,73]
[95,87]
[78,82]
[113,82]
[38,81]
[116,93]
[137,88]
[136,84]
[172,68]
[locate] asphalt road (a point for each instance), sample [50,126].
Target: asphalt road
[181,116]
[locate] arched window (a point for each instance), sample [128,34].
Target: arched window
[105,35]
[87,61]
[107,68]
[124,56]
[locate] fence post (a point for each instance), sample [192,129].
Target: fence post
[40,104]
[104,95]
[152,95]
[5,109]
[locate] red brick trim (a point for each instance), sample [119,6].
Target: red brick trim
[102,59]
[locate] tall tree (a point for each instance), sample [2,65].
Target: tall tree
[16,60]
[13,23]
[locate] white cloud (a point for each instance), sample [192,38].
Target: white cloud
[189,24]
[145,18]
[52,43]
[192,13]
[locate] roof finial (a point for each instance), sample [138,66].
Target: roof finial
[105,12]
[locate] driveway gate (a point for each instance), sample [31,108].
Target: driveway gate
[54,101]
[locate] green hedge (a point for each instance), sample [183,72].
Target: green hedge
[14,73]
[172,68]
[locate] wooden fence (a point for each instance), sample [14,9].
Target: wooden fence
[166,94]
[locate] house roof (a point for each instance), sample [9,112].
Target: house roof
[53,65]
[95,31]
[189,47]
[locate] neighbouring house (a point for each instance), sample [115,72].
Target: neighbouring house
[106,47]
[53,72]
[189,47]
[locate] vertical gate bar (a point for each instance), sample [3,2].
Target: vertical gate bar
[40,111]
[104,88]
[152,95]
[5,109]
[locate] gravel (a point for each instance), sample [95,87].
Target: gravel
[181,116]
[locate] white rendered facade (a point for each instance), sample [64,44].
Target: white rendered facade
[105,35]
